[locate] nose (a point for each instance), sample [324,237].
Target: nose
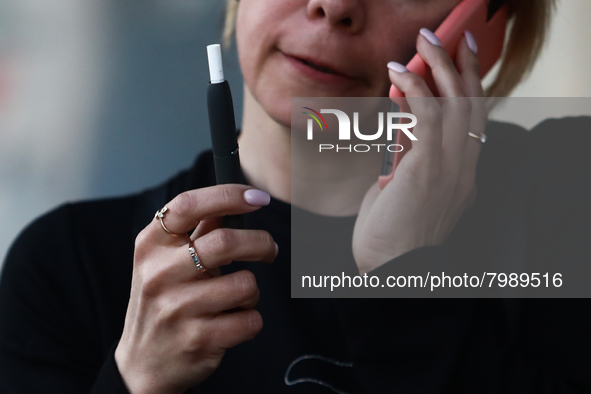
[343,14]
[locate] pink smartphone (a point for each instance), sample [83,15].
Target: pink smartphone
[487,21]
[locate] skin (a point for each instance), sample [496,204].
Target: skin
[177,325]
[263,33]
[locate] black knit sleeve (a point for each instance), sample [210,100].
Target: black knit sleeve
[109,379]
[50,338]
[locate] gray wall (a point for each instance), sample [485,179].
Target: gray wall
[101,98]
[153,110]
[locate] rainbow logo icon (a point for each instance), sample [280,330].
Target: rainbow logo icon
[315,116]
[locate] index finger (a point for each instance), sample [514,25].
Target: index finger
[187,209]
[446,76]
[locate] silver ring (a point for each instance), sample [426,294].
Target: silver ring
[195,257]
[481,137]
[160,216]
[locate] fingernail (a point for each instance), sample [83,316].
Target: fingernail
[430,36]
[471,42]
[276,249]
[257,197]
[399,68]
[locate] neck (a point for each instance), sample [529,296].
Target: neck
[265,151]
[329,184]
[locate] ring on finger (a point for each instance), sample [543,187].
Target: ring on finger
[160,216]
[481,137]
[194,256]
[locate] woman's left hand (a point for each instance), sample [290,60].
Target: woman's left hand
[435,181]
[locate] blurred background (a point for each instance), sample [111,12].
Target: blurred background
[107,97]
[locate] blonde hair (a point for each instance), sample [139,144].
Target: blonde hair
[230,22]
[526,34]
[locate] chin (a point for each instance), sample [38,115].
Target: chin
[278,108]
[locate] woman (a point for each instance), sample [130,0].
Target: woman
[71,322]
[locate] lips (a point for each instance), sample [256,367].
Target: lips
[323,69]
[317,66]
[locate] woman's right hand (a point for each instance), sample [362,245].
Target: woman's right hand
[180,320]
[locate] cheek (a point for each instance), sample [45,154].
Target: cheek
[247,41]
[399,30]
[259,23]
[256,35]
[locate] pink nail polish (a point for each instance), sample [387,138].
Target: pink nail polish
[430,36]
[471,42]
[397,67]
[257,198]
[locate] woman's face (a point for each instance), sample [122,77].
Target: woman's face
[327,48]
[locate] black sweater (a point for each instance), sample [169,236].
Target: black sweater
[66,281]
